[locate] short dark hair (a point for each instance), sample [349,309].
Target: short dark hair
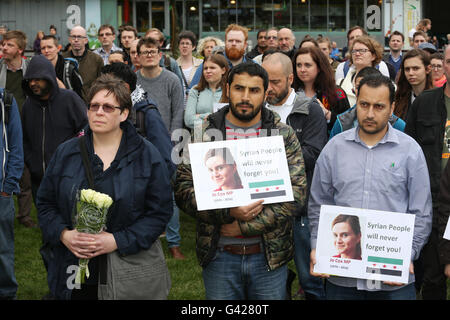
[253,69]
[437,55]
[106,26]
[419,33]
[121,71]
[376,81]
[259,32]
[51,37]
[187,34]
[146,42]
[52,26]
[127,28]
[397,33]
[114,86]
[121,52]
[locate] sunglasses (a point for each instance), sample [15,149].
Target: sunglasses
[106,107]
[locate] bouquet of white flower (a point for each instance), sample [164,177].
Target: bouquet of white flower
[92,208]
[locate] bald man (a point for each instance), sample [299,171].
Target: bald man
[286,41]
[89,63]
[306,117]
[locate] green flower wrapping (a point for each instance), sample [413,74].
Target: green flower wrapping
[92,209]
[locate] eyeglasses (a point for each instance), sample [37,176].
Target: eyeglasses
[106,107]
[77,37]
[359,51]
[436,66]
[105,34]
[149,53]
[272,37]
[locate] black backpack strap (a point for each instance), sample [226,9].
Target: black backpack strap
[184,78]
[85,158]
[140,122]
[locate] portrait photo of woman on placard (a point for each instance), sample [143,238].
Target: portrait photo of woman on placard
[347,237]
[222,169]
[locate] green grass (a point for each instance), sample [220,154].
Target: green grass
[186,275]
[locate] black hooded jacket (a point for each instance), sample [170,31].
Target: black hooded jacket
[48,123]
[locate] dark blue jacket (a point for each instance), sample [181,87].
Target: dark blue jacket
[141,210]
[155,129]
[11,146]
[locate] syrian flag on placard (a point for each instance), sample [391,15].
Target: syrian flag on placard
[267,189]
[386,266]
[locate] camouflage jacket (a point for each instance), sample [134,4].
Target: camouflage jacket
[274,224]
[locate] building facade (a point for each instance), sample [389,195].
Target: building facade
[313,17]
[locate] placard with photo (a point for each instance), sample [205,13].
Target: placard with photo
[238,172]
[365,244]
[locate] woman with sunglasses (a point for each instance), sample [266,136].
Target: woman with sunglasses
[132,172]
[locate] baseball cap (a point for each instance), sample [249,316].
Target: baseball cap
[428,47]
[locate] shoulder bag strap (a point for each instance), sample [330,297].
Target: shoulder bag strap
[102,259]
[85,158]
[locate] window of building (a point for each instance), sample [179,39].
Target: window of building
[124,12]
[282,14]
[300,16]
[336,15]
[356,13]
[192,16]
[228,13]
[263,11]
[142,16]
[246,11]
[318,14]
[210,12]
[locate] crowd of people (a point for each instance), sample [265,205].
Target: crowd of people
[113,119]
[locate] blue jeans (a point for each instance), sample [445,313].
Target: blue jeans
[335,292]
[243,277]
[8,283]
[173,227]
[312,286]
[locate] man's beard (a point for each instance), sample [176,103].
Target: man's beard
[247,116]
[264,47]
[234,53]
[41,91]
[278,97]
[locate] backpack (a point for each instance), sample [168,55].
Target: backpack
[139,121]
[7,99]
[70,67]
